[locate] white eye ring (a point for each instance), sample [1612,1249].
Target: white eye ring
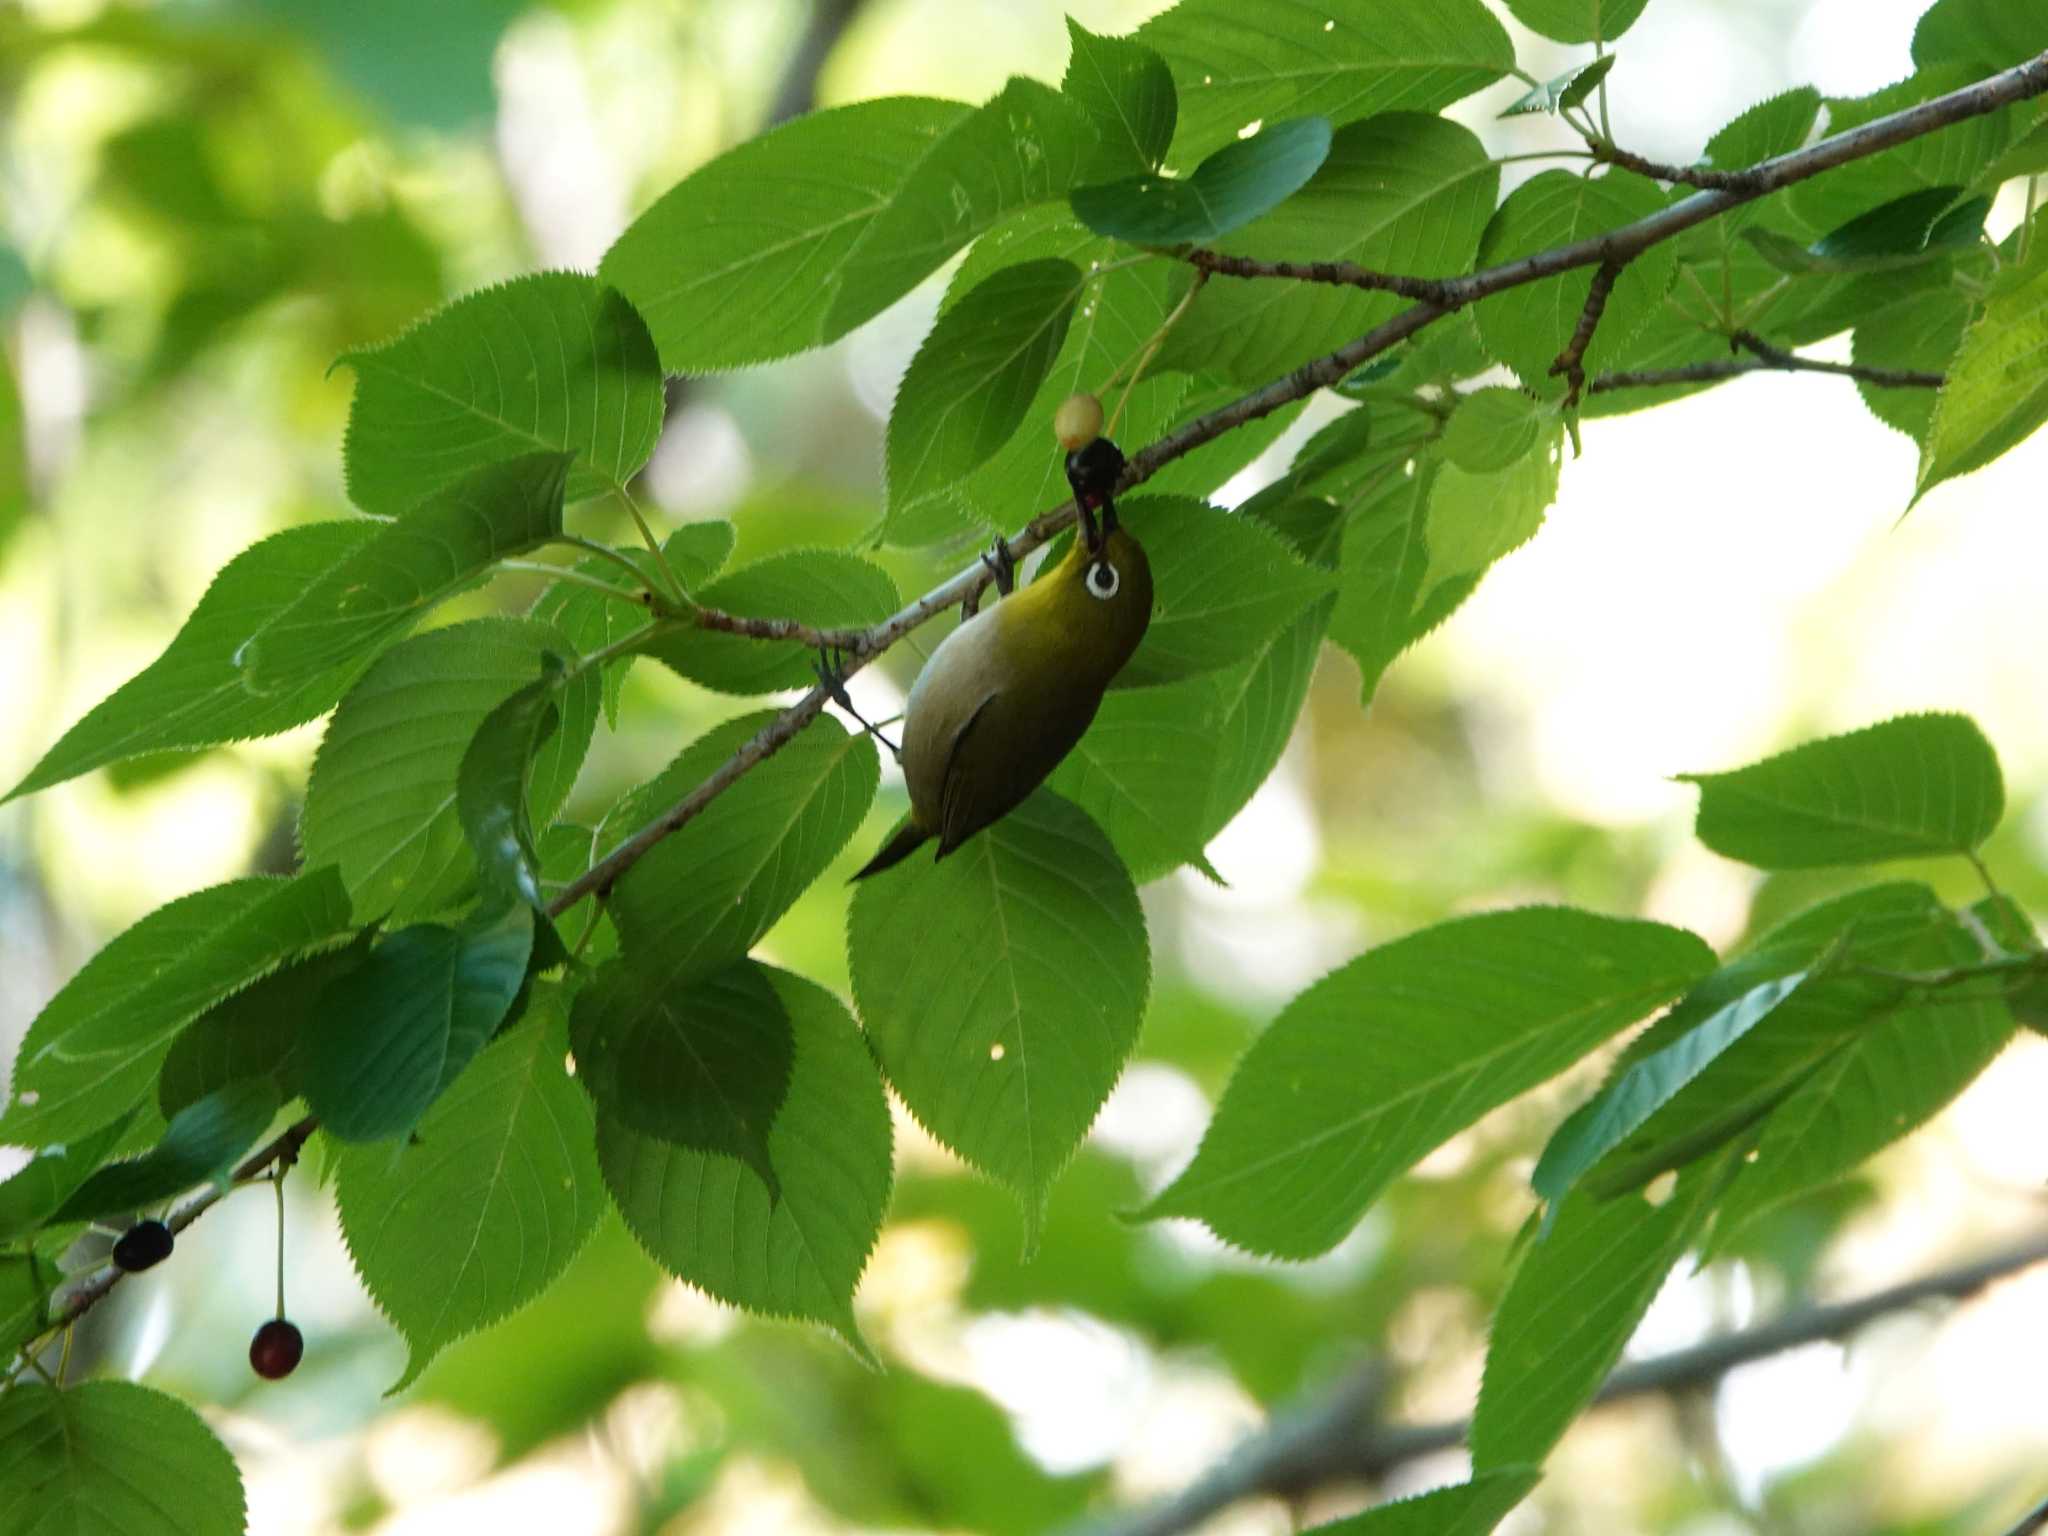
[1102,580]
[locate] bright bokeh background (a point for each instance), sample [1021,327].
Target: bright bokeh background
[212,200]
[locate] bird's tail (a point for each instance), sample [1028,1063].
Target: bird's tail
[900,844]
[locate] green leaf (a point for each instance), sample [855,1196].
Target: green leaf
[702,898]
[382,802]
[975,375]
[484,1209]
[1913,786]
[590,621]
[1126,90]
[382,586]
[1003,990]
[1777,125]
[195,694]
[1843,944]
[387,1038]
[111,1458]
[1985,34]
[1389,1056]
[1562,91]
[1124,308]
[202,1143]
[823,587]
[26,1285]
[713,1222]
[253,1034]
[1573,1302]
[1601,1124]
[1909,231]
[1918,326]
[1951,158]
[1382,605]
[1027,144]
[491,785]
[1884,1083]
[741,261]
[1143,773]
[32,1195]
[1493,428]
[1401,192]
[1236,184]
[1527,327]
[1997,389]
[94,1049]
[1341,59]
[555,362]
[1578,21]
[704,1065]
[1463,1509]
[1222,584]
[1475,518]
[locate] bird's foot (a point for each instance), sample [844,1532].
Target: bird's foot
[831,669]
[1002,565]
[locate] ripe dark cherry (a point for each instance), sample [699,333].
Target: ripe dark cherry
[1092,471]
[144,1244]
[275,1351]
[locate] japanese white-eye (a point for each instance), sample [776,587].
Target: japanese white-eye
[1014,688]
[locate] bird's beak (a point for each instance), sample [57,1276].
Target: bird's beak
[1091,532]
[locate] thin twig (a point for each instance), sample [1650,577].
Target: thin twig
[1715,370]
[1336,1437]
[779,629]
[1778,357]
[1609,153]
[280,1152]
[1571,361]
[2033,1522]
[1344,274]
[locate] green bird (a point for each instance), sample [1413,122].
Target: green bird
[1014,688]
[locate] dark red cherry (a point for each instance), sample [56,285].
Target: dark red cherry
[276,1350]
[144,1244]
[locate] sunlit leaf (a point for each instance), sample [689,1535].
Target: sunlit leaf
[94,1049]
[383,802]
[713,1222]
[555,362]
[480,1213]
[1003,987]
[388,1037]
[1126,89]
[741,261]
[112,1458]
[1913,786]
[1388,1056]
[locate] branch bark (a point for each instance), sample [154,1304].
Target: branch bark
[1613,248]
[1337,1438]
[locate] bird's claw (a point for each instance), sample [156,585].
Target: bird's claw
[1002,565]
[831,669]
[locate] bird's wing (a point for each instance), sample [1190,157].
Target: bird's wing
[957,802]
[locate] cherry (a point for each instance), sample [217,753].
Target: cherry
[276,1350]
[1078,421]
[142,1245]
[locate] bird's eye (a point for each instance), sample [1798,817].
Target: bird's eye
[1102,580]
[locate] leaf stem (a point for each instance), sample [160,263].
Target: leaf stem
[627,500]
[1151,348]
[576,578]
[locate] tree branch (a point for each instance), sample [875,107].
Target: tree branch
[1571,360]
[1609,153]
[1615,247]
[1343,274]
[2035,1520]
[1713,371]
[1336,1438]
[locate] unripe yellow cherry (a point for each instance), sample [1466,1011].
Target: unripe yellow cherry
[1078,421]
